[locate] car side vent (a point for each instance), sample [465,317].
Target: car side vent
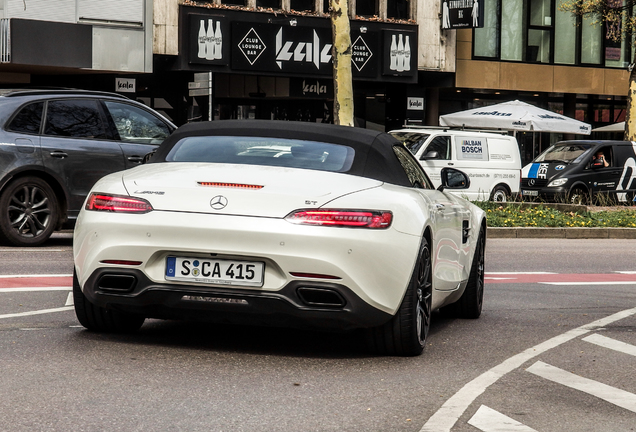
[115,282]
[465,231]
[321,297]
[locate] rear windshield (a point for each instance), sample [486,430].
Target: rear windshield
[564,153]
[263,151]
[412,140]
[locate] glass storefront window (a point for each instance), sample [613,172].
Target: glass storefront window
[234,2]
[537,31]
[512,25]
[538,49]
[540,13]
[564,38]
[274,4]
[398,9]
[367,8]
[302,5]
[590,42]
[487,38]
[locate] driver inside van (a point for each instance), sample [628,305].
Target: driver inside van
[599,160]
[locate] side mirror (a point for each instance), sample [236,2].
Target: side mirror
[453,179]
[430,155]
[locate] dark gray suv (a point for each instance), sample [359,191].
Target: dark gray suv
[54,146]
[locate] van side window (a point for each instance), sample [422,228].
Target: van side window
[441,145]
[601,158]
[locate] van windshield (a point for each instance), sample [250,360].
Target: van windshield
[412,140]
[566,152]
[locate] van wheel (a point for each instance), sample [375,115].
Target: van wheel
[579,196]
[499,194]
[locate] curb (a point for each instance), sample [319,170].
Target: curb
[565,233]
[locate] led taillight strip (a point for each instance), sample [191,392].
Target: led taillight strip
[342,218]
[230,185]
[117,204]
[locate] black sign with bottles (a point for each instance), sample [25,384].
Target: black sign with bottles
[255,42]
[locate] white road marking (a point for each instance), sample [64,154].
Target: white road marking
[34,276]
[27,289]
[37,312]
[516,273]
[499,278]
[448,414]
[69,300]
[590,283]
[488,420]
[609,394]
[33,250]
[612,344]
[626,272]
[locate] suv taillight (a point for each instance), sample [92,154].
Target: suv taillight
[117,204]
[342,218]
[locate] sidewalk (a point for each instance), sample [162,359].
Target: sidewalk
[565,233]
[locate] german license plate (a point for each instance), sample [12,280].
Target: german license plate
[215,271]
[530,192]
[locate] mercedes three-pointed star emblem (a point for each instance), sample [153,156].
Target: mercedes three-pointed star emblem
[219,202]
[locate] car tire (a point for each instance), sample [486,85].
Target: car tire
[406,333]
[499,194]
[99,319]
[471,302]
[29,212]
[578,196]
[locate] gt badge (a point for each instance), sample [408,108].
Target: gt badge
[219,202]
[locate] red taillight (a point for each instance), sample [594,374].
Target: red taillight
[117,204]
[342,218]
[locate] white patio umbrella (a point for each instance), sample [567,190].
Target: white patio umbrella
[616,127]
[515,116]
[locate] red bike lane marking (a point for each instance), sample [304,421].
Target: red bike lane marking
[559,277]
[39,281]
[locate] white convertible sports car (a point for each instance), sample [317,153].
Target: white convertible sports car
[280,223]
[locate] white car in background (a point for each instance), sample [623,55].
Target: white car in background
[344,231]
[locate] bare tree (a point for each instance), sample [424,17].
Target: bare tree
[617,17]
[342,79]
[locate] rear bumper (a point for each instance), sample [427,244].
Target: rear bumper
[304,304]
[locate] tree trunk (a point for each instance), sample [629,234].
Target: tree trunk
[630,117]
[342,80]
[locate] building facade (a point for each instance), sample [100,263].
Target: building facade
[271,59]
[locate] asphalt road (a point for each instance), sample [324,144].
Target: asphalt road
[551,352]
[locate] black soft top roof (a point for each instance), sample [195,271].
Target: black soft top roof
[374,156]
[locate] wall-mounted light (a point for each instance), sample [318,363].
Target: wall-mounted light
[293,22]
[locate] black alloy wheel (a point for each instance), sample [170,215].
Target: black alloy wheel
[28,212]
[406,333]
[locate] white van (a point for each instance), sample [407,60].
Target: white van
[491,160]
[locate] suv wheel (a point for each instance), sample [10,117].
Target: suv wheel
[28,212]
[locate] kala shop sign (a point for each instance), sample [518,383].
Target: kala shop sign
[228,43]
[276,48]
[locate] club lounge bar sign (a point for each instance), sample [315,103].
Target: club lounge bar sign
[231,44]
